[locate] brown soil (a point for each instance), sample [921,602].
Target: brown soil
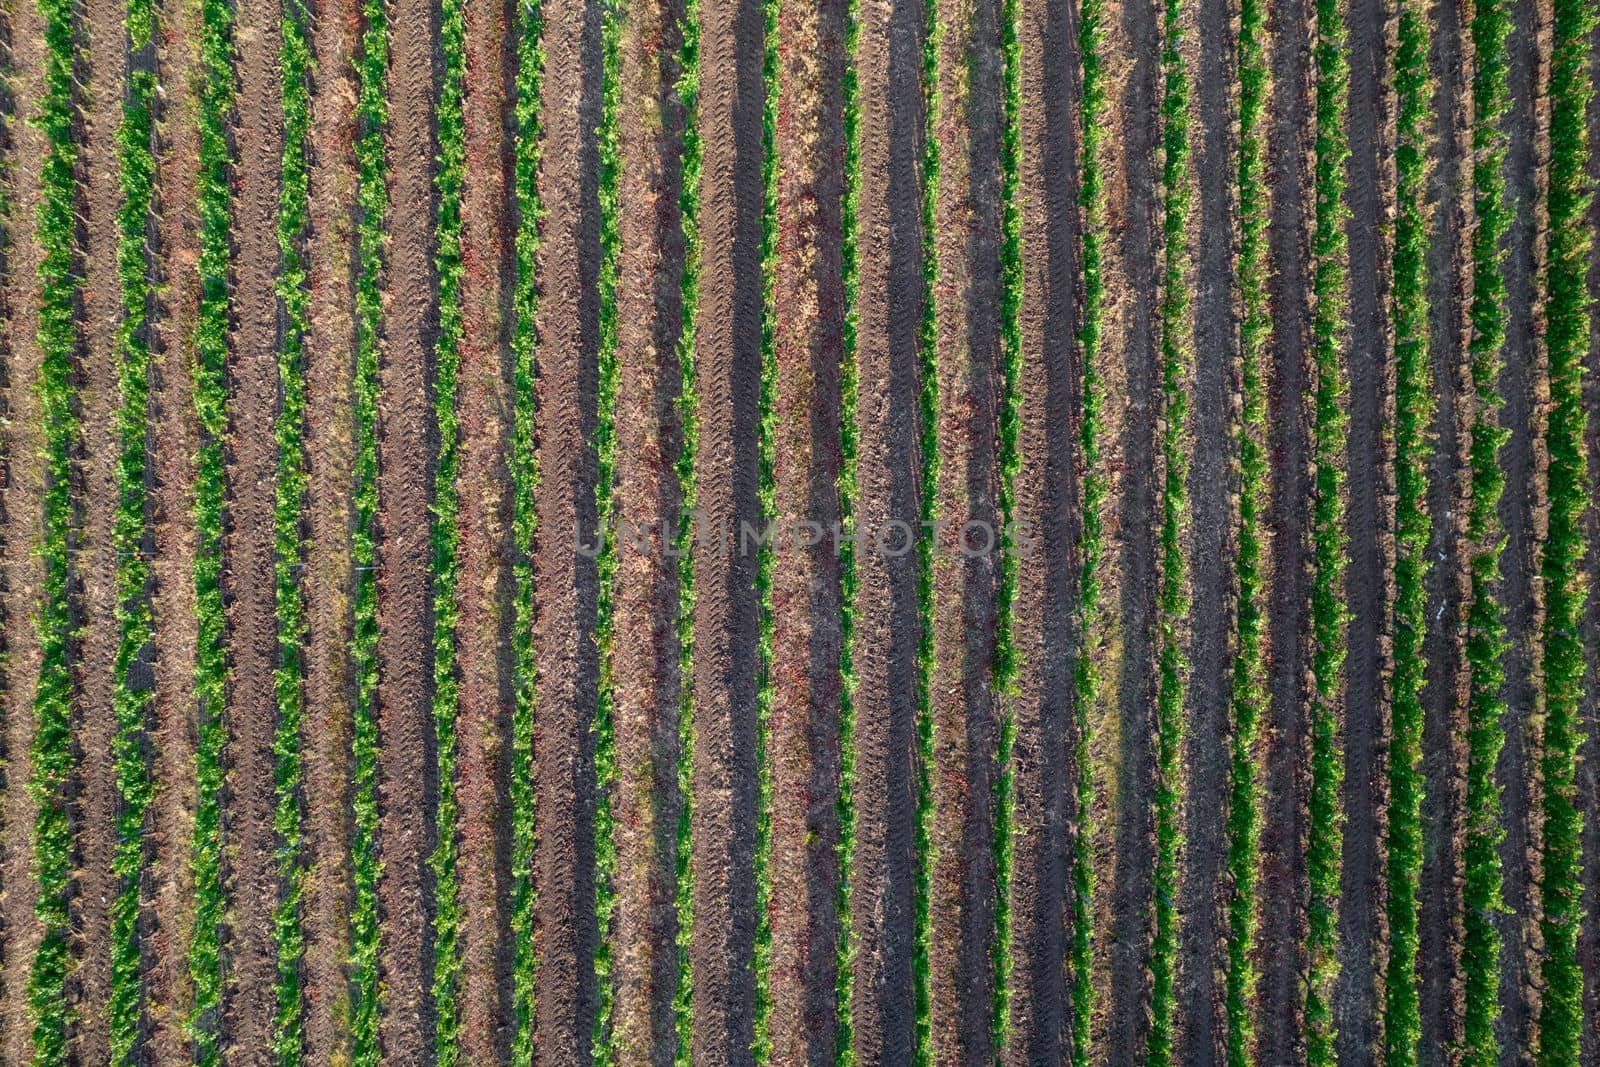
[329,679]
[1213,489]
[406,787]
[728,372]
[569,256]
[1046,486]
[484,589]
[1134,45]
[1282,912]
[965,708]
[22,575]
[804,743]
[889,313]
[1369,359]
[1522,384]
[251,869]
[1444,698]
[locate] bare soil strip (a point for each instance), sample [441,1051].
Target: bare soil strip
[1285,780]
[728,354]
[406,789]
[645,666]
[1370,520]
[1046,486]
[1212,492]
[329,675]
[806,595]
[22,576]
[1134,45]
[1521,512]
[1444,697]
[565,580]
[484,550]
[965,709]
[889,313]
[95,800]
[250,1001]
[174,437]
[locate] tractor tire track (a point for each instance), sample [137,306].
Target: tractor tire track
[645,666]
[1589,757]
[728,367]
[1362,949]
[1444,696]
[806,595]
[887,627]
[407,789]
[21,508]
[567,580]
[1215,410]
[965,707]
[1134,45]
[331,461]
[1046,487]
[484,551]
[174,439]
[1280,946]
[1522,516]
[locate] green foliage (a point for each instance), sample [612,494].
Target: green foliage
[211,405]
[1177,361]
[689,411]
[1094,112]
[1413,527]
[132,697]
[1486,640]
[445,532]
[372,200]
[524,465]
[1567,332]
[1249,693]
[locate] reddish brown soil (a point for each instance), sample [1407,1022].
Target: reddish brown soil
[1213,488]
[804,743]
[1369,361]
[174,436]
[888,313]
[20,506]
[645,652]
[1444,698]
[965,708]
[326,735]
[1283,830]
[251,869]
[484,590]
[1046,486]
[728,373]
[1133,43]
[569,251]
[406,788]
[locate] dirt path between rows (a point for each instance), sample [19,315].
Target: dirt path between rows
[1213,496]
[1522,513]
[22,575]
[252,869]
[806,596]
[1362,947]
[1046,487]
[566,581]
[330,457]
[889,312]
[1282,909]
[965,708]
[407,790]
[1444,696]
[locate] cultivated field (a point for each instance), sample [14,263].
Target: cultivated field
[708,532]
